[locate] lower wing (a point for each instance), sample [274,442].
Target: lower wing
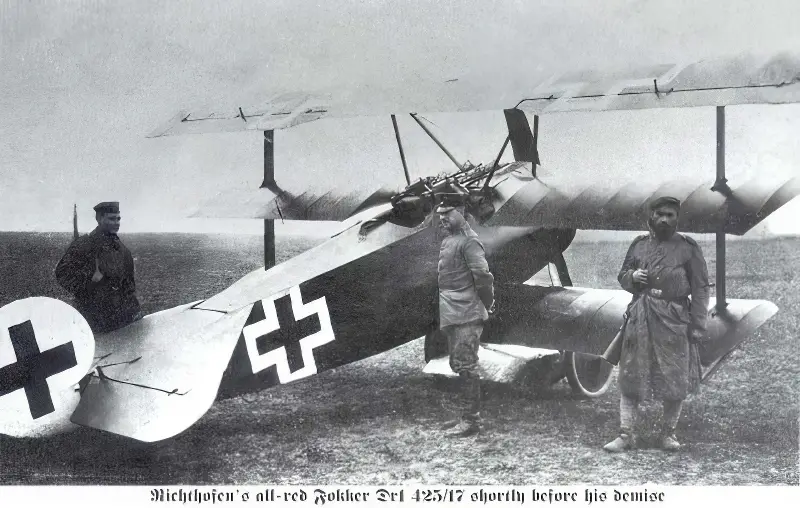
[586,320]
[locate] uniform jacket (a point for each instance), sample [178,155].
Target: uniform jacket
[111,302]
[657,357]
[466,287]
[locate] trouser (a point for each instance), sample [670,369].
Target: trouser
[628,408]
[463,342]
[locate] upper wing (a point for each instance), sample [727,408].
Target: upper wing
[742,79]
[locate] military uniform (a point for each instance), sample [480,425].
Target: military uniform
[466,291]
[658,360]
[111,302]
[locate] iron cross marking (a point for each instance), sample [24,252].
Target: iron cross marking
[289,333]
[33,368]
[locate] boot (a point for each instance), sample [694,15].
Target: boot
[669,442]
[672,413]
[465,428]
[449,424]
[625,441]
[470,420]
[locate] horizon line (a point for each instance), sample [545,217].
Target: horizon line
[593,232]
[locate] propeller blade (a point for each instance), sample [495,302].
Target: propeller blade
[523,142]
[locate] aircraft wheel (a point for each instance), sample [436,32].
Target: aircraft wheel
[588,375]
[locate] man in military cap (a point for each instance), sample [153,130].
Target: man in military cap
[466,295]
[660,358]
[98,270]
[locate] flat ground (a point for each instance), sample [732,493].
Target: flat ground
[375,422]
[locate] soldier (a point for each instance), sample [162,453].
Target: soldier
[98,270]
[466,291]
[660,339]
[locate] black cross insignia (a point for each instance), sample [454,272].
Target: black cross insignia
[289,333]
[33,368]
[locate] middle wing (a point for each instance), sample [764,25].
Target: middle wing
[557,202]
[520,200]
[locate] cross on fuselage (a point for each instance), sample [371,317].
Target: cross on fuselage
[289,333]
[33,367]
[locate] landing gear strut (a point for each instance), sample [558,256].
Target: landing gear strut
[588,375]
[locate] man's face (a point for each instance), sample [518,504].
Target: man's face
[452,221]
[664,221]
[109,222]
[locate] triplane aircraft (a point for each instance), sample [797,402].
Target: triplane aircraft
[372,285]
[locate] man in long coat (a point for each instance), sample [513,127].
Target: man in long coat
[659,352]
[98,270]
[466,294]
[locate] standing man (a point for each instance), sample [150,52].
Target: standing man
[98,270]
[659,350]
[466,291]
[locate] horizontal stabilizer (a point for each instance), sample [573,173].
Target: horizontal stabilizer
[161,374]
[580,204]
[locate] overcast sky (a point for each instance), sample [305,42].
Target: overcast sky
[81,84]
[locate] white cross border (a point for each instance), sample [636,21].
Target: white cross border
[278,356]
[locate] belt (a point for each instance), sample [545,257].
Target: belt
[658,293]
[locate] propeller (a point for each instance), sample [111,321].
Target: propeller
[524,143]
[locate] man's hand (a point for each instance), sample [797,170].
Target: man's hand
[97,275]
[640,276]
[492,308]
[696,336]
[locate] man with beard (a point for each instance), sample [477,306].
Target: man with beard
[466,291]
[659,351]
[98,270]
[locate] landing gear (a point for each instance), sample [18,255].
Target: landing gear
[588,375]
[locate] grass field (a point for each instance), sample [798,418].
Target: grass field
[376,421]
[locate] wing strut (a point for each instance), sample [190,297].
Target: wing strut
[269,181]
[561,271]
[429,133]
[721,186]
[400,146]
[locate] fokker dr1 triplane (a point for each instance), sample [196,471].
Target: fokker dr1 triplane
[370,287]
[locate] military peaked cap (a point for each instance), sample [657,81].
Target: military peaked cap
[665,201]
[107,207]
[448,202]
